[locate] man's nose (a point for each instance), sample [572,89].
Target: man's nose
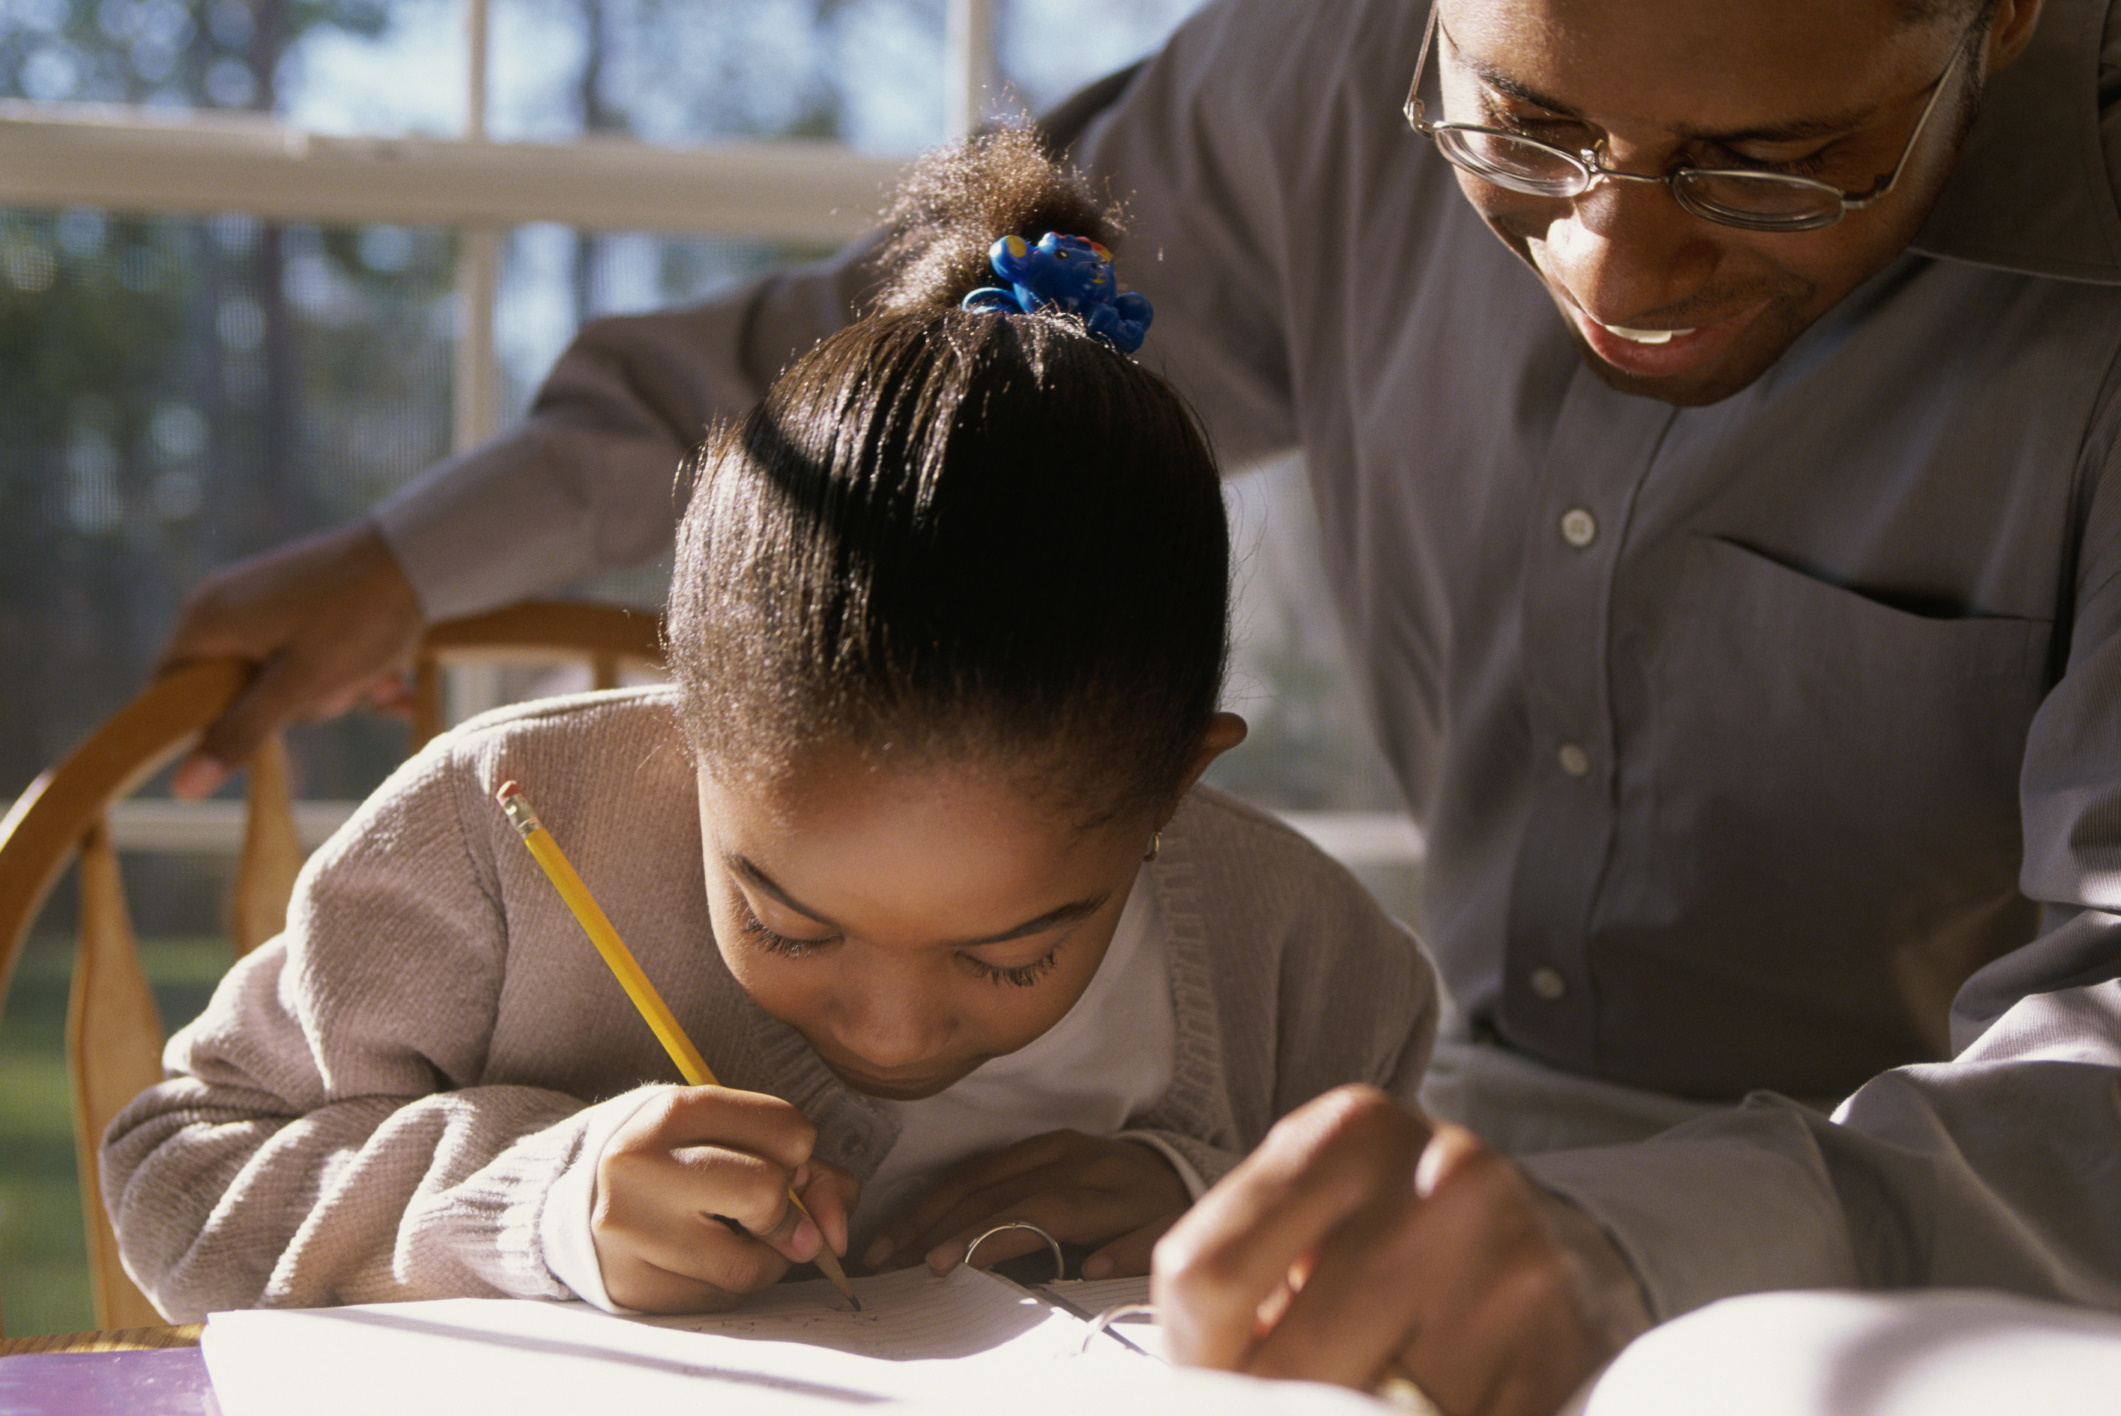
[1625,250]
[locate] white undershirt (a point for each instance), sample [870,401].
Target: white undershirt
[1108,1058]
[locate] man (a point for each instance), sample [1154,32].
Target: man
[1740,636]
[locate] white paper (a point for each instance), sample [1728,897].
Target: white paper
[965,1341]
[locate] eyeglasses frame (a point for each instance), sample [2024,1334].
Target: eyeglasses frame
[1589,160]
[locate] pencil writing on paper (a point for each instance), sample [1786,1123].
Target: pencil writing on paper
[661,1021]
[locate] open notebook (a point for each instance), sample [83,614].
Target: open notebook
[970,1340]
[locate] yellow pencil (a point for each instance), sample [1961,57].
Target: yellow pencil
[546,851]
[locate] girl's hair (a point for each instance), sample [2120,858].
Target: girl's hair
[946,534]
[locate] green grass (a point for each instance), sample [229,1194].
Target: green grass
[43,1262]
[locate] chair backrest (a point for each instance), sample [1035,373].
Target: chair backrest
[114,1032]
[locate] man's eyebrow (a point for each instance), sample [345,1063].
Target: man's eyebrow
[1792,130]
[1051,919]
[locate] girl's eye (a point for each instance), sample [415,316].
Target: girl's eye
[1021,976]
[773,941]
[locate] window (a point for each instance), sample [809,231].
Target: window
[263,260]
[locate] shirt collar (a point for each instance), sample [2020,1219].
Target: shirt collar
[2031,192]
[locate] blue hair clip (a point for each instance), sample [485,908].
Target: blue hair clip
[1070,272]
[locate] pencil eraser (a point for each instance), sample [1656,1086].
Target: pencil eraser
[508,789]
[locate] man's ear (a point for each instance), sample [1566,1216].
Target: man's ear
[1225,731]
[2010,29]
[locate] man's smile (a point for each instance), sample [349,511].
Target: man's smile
[1661,352]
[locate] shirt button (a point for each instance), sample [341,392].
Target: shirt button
[1549,985]
[1574,760]
[854,1145]
[1578,527]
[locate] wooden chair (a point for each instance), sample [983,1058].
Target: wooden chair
[114,1033]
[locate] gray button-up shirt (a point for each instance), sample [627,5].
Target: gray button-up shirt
[1768,745]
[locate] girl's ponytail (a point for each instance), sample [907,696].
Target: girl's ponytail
[956,532]
[954,203]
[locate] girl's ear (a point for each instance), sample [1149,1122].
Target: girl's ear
[1225,731]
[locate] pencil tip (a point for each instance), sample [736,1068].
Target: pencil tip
[855,1301]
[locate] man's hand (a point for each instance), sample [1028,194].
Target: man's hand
[329,621]
[692,1208]
[1120,1195]
[1358,1243]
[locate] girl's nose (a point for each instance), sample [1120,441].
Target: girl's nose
[894,1026]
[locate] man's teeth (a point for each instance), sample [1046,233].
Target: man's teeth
[1644,336]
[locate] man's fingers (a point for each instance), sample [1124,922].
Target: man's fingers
[1234,1250]
[276,696]
[1466,1287]
[324,618]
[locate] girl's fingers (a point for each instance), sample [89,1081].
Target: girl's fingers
[1129,1254]
[1009,1244]
[1080,1189]
[963,1221]
[831,1194]
[928,1216]
[692,1264]
[718,1116]
[694,1189]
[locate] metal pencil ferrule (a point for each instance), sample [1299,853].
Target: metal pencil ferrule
[519,813]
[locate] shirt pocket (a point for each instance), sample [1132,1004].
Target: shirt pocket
[1764,656]
[1832,799]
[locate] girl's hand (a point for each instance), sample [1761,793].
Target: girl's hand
[692,1208]
[1081,1189]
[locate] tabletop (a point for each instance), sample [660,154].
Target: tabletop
[156,1371]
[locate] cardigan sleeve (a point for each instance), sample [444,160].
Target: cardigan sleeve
[321,1136]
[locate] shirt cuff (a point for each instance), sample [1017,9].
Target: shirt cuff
[564,1232]
[1195,1186]
[1705,1216]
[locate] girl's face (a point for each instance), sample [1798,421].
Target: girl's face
[911,924]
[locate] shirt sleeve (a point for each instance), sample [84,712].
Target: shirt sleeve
[588,480]
[1997,1169]
[322,1136]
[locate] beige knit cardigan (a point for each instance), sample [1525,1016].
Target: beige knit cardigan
[375,1105]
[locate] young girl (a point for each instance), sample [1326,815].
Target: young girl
[912,848]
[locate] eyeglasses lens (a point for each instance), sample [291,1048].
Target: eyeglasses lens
[1763,201]
[1521,166]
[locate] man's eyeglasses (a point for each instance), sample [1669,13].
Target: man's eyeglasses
[1757,201]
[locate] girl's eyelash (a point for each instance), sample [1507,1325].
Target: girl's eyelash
[1021,976]
[773,941]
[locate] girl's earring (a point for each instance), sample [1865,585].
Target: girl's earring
[1156,846]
